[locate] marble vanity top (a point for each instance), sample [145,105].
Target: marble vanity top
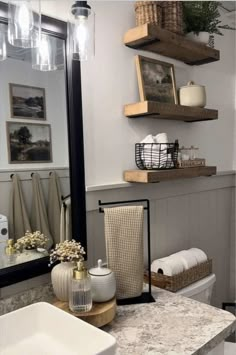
[173,325]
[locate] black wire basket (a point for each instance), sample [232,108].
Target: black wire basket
[156,156]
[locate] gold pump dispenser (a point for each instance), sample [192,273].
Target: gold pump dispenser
[80,272]
[10,247]
[80,296]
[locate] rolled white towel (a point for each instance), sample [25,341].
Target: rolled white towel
[161,138]
[167,266]
[188,258]
[199,255]
[148,139]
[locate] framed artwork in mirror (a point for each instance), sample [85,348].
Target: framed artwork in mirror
[156,80]
[27,102]
[29,142]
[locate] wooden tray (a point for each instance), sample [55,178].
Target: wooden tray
[100,315]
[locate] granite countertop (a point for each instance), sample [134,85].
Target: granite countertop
[173,325]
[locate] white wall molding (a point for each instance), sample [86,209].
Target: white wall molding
[158,191]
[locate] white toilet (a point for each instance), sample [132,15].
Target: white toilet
[202,291]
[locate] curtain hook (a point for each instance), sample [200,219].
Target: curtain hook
[11,176]
[31,174]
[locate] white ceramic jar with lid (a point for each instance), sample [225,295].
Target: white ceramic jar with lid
[103,283]
[192,95]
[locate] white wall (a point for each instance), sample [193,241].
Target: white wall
[20,72]
[187,213]
[192,212]
[109,82]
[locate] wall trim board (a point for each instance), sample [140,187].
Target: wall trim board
[159,191]
[120,184]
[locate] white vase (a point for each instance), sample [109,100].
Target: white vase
[61,276]
[202,37]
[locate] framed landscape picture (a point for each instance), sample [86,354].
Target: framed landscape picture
[156,80]
[29,143]
[27,102]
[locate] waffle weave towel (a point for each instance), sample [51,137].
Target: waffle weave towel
[124,247]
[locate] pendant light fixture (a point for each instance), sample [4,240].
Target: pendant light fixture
[44,57]
[3,46]
[81,31]
[24,23]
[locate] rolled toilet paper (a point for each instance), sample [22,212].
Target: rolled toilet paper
[188,259]
[199,254]
[167,266]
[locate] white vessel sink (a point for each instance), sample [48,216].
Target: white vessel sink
[42,329]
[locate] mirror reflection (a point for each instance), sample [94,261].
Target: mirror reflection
[34,167]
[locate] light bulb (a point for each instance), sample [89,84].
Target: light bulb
[24,24]
[3,47]
[81,36]
[24,20]
[43,57]
[81,31]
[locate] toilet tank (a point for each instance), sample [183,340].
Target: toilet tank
[201,290]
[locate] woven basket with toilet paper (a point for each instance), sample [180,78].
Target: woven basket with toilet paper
[180,269]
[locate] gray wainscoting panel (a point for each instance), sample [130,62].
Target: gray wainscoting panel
[181,219]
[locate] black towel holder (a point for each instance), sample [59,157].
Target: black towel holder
[146,297]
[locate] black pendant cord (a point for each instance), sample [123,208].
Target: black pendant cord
[146,297]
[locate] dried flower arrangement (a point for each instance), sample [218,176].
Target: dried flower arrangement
[31,241]
[68,251]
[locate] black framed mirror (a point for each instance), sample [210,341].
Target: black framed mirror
[73,102]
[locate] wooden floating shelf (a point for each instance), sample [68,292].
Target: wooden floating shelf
[155,39]
[151,176]
[153,109]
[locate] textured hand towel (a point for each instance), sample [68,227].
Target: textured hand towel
[54,206]
[124,247]
[18,217]
[39,218]
[161,138]
[65,223]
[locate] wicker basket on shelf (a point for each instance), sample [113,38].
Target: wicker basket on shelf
[148,12]
[172,16]
[179,281]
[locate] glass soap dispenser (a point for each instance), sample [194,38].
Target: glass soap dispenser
[80,298]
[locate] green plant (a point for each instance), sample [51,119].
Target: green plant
[203,16]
